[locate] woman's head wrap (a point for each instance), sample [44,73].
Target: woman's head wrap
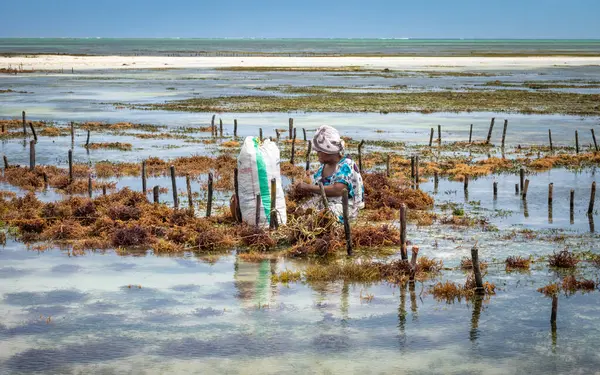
[328,141]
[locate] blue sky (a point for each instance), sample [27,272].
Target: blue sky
[302,18]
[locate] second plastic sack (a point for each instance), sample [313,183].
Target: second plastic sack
[258,163]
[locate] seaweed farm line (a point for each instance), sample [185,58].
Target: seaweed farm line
[115,283]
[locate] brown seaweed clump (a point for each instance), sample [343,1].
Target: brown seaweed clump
[314,233]
[570,285]
[256,239]
[563,259]
[111,146]
[466,264]
[450,291]
[517,263]
[375,236]
[382,191]
[550,289]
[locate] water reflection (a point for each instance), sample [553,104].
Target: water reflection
[477,304]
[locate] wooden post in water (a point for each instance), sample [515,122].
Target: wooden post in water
[304,133]
[594,139]
[504,132]
[521,178]
[436,181]
[412,167]
[273,224]
[45,177]
[212,126]
[592,199]
[277,135]
[291,126]
[31,155]
[440,134]
[257,212]
[495,186]
[33,131]
[24,126]
[221,128]
[323,196]
[470,133]
[403,217]
[103,189]
[156,193]
[417,172]
[576,142]
[70,166]
[188,184]
[431,138]
[72,131]
[3,128]
[87,142]
[572,206]
[174,185]
[466,184]
[360,145]
[293,147]
[210,195]
[413,264]
[489,136]
[525,188]
[308,150]
[550,193]
[387,165]
[144,187]
[260,134]
[236,190]
[554,312]
[346,222]
[90,190]
[516,189]
[550,140]
[235,128]
[477,271]
[5,161]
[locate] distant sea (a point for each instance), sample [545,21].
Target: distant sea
[297,47]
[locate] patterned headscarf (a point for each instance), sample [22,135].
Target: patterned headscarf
[328,141]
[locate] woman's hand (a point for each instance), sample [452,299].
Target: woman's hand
[306,187]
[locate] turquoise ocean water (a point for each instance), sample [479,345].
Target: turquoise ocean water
[186,47]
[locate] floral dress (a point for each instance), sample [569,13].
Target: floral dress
[347,173]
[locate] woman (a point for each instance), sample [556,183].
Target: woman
[337,172]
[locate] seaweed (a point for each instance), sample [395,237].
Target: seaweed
[563,259]
[517,263]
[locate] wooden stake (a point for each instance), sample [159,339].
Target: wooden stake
[554,311]
[413,263]
[188,184]
[525,188]
[440,134]
[572,206]
[70,166]
[87,142]
[308,150]
[387,165]
[236,190]
[213,131]
[412,167]
[504,132]
[24,126]
[323,196]
[576,142]
[436,180]
[156,193]
[235,128]
[477,271]
[144,177]
[304,133]
[360,166]
[431,138]
[273,224]
[291,126]
[594,138]
[592,199]
[210,195]
[45,177]
[221,128]
[72,131]
[33,131]
[550,139]
[103,189]
[417,171]
[489,136]
[521,178]
[346,222]
[260,134]
[277,134]
[5,161]
[516,189]
[174,185]
[403,217]
[466,183]
[470,133]
[90,186]
[495,185]
[257,214]
[293,147]
[550,193]
[31,155]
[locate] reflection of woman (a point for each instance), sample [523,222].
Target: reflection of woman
[337,172]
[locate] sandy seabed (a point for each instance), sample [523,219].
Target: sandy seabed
[53,62]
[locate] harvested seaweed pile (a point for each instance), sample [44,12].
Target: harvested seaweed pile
[451,291]
[381,191]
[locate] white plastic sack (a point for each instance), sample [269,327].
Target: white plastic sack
[258,163]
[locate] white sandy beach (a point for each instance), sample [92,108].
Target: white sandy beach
[54,62]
